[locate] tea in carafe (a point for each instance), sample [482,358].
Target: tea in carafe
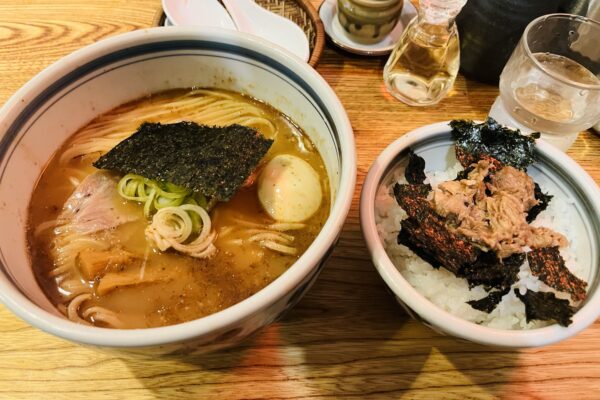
[424,64]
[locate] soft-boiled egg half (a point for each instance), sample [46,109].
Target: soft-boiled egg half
[289,189]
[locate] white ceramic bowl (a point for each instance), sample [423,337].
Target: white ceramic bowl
[555,171]
[95,79]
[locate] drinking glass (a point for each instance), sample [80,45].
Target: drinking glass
[551,83]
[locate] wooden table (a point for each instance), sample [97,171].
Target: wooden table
[347,337]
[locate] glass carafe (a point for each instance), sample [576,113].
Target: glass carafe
[424,63]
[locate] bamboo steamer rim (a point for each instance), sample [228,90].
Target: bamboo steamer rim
[300,8]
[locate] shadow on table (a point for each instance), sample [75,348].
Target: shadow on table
[477,370]
[357,341]
[346,337]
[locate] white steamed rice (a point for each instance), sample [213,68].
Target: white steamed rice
[441,286]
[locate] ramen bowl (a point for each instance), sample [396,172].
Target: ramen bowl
[556,173]
[73,91]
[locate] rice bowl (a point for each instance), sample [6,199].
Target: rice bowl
[445,289]
[436,296]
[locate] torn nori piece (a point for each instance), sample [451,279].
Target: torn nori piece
[404,238]
[495,274]
[543,201]
[489,302]
[464,174]
[214,161]
[415,170]
[426,234]
[492,272]
[490,138]
[545,306]
[418,190]
[549,266]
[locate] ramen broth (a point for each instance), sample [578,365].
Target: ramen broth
[178,287]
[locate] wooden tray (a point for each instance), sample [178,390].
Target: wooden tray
[302,13]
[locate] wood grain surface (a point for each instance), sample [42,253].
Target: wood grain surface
[347,338]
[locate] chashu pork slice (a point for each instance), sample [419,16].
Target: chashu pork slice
[95,206]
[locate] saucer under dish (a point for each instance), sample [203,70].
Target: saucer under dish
[341,38]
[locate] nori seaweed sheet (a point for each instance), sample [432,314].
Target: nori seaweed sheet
[489,302]
[404,238]
[497,276]
[545,306]
[425,232]
[491,272]
[415,170]
[490,138]
[214,161]
[548,265]
[464,174]
[417,190]
[543,201]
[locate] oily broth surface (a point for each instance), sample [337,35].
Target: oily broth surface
[200,287]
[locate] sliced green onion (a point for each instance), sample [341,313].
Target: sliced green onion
[157,195]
